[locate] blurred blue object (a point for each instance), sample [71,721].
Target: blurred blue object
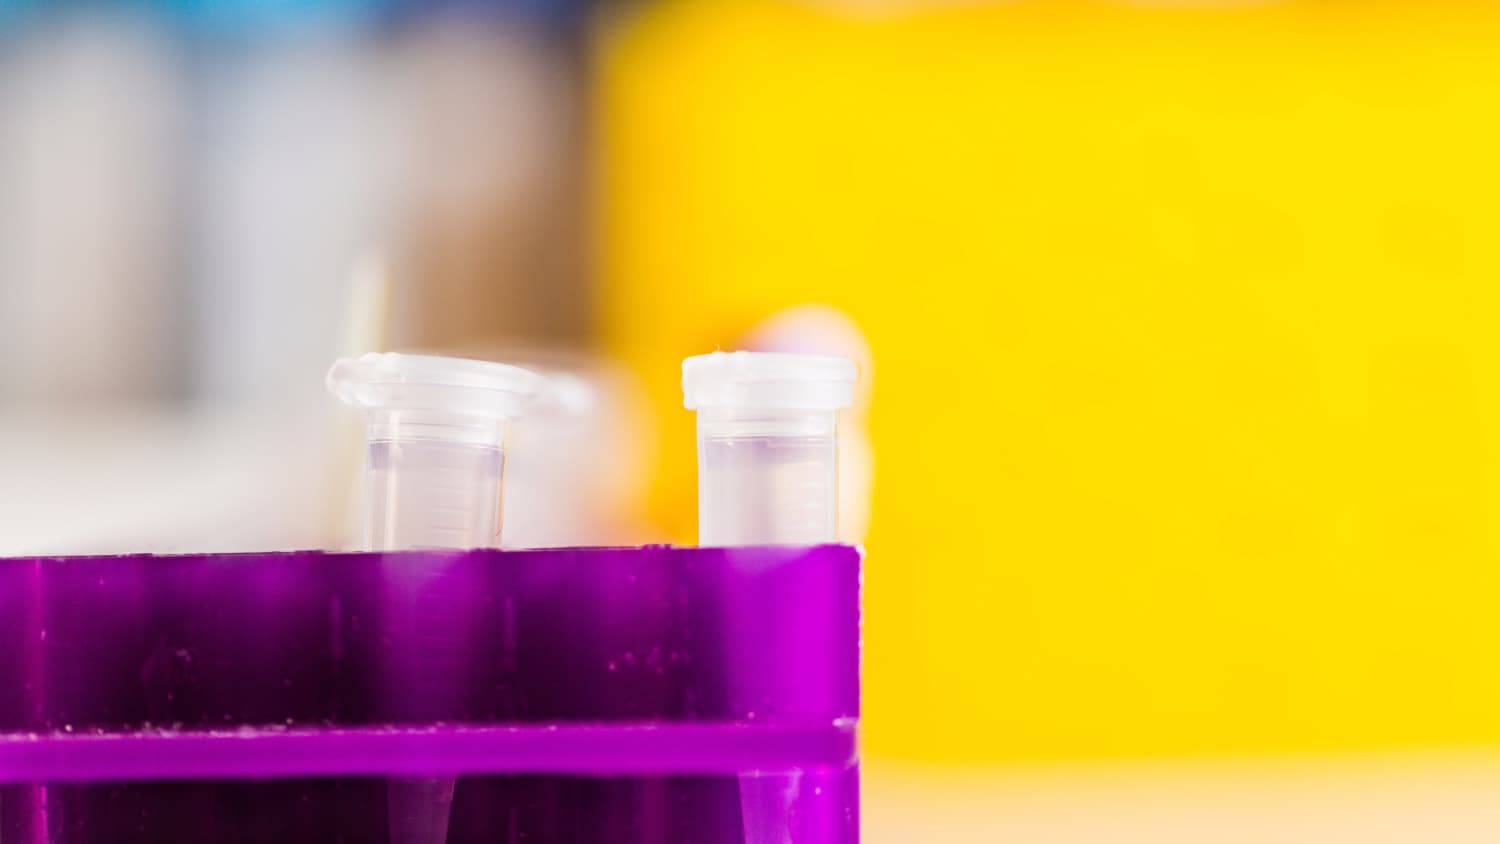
[550,11]
[242,15]
[12,10]
[249,16]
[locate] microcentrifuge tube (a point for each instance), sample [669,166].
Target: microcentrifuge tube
[434,476]
[767,445]
[767,475]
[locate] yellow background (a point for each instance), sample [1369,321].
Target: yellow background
[1187,343]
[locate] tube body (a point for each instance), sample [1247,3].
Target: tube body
[767,476]
[423,492]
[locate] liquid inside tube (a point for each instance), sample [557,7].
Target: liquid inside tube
[767,490]
[433,494]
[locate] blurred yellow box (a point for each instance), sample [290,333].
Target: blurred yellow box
[1186,321]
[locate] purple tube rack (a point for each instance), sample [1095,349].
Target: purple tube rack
[577,695]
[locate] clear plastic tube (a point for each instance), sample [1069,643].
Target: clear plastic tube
[768,474]
[436,460]
[435,476]
[767,445]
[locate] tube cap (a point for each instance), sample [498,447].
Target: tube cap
[773,380]
[387,380]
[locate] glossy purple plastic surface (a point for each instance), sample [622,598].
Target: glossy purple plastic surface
[574,695]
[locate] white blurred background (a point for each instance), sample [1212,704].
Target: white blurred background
[205,203]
